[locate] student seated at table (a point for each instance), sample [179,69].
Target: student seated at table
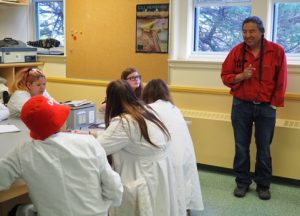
[139,144]
[29,82]
[66,174]
[156,93]
[134,78]
[4,112]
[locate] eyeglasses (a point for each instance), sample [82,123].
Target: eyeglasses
[134,78]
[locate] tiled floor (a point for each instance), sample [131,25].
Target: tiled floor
[217,192]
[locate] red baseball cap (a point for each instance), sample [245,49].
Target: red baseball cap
[43,116]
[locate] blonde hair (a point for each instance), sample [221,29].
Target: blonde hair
[24,76]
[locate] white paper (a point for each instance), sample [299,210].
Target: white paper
[8,128]
[77,103]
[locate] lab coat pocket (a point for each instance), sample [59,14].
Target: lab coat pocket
[136,199]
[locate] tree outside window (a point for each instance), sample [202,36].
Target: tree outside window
[50,19]
[218,24]
[286,29]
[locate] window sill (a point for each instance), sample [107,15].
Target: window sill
[52,58]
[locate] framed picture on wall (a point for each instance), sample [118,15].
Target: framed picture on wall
[152,28]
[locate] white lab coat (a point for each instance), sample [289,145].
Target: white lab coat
[184,156]
[4,112]
[18,99]
[146,171]
[66,174]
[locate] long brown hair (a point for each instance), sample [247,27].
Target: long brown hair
[24,76]
[120,100]
[156,89]
[124,76]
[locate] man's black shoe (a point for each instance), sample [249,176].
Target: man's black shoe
[240,191]
[263,194]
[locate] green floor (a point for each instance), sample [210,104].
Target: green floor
[217,192]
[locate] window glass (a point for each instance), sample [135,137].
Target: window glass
[218,24]
[286,29]
[50,20]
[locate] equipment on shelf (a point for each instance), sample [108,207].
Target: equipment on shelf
[44,43]
[13,51]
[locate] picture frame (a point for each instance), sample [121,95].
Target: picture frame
[152,28]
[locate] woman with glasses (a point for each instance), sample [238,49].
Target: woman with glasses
[140,142]
[29,82]
[133,77]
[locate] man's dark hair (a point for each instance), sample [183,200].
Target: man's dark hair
[257,20]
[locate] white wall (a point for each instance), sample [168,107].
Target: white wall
[14,22]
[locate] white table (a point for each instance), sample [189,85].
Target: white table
[9,141]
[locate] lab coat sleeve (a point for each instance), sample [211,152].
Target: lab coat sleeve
[18,99]
[10,170]
[47,95]
[4,112]
[115,137]
[112,188]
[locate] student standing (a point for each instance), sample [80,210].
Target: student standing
[140,142]
[256,73]
[29,82]
[157,95]
[66,174]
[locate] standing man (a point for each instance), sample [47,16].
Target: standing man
[256,73]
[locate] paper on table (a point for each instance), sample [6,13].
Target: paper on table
[77,103]
[8,128]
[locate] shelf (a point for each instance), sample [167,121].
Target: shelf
[8,71]
[19,3]
[25,64]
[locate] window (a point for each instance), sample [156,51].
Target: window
[49,18]
[218,24]
[286,26]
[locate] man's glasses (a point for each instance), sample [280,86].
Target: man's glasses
[134,78]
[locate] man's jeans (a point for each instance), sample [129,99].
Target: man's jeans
[243,115]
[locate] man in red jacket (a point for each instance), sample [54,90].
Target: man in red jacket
[256,72]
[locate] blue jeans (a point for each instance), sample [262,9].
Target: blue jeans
[243,116]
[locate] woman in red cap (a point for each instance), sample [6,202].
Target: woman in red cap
[67,174]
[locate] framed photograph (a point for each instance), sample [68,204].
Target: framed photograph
[152,28]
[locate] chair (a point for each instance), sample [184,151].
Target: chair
[23,210]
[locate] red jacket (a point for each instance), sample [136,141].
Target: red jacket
[270,87]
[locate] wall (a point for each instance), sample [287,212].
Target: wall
[105,34]
[14,22]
